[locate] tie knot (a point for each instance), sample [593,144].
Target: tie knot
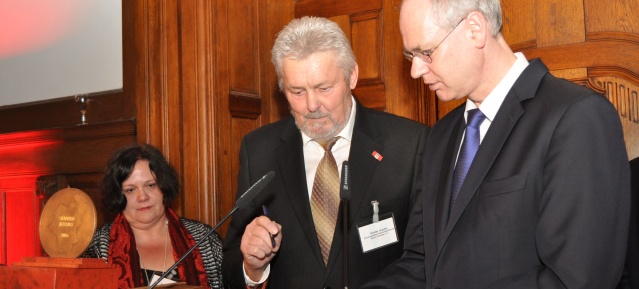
[475,118]
[328,144]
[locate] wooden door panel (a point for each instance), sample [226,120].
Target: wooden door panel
[617,15]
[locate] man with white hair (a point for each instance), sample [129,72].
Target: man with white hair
[316,69]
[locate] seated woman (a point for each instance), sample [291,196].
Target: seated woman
[147,237]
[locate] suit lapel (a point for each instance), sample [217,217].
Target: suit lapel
[500,129]
[442,213]
[290,157]
[488,151]
[363,164]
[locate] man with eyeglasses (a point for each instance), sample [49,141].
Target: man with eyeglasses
[534,191]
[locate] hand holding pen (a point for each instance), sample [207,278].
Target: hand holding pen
[265,210]
[260,242]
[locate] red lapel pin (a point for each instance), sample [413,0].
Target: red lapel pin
[377,156]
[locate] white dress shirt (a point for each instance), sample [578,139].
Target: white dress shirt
[495,98]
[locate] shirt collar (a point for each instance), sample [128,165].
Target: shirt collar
[495,98]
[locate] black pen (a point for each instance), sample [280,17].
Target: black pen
[266,214]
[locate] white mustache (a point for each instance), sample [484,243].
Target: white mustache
[316,115]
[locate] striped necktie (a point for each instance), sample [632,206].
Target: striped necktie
[325,199]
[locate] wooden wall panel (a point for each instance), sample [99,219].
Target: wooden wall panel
[365,31]
[163,77]
[272,20]
[222,134]
[240,127]
[159,98]
[574,73]
[366,40]
[241,92]
[559,22]
[197,146]
[618,15]
[520,16]
[243,53]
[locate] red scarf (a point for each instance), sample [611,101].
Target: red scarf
[123,253]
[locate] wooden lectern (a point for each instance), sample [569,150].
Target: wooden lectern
[59,273]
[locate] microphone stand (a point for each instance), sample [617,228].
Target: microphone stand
[241,202]
[345,230]
[191,249]
[345,194]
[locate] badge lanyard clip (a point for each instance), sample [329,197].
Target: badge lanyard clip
[375,211]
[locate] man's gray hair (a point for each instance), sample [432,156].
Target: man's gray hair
[448,13]
[308,35]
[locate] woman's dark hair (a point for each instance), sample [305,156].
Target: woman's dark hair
[120,166]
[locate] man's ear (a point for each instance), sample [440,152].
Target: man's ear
[479,28]
[354,76]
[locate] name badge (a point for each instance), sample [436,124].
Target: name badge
[379,232]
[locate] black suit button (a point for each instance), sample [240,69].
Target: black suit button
[327,287]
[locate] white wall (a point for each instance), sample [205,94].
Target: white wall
[58,48]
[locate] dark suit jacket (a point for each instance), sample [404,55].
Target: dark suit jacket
[545,203]
[630,278]
[393,182]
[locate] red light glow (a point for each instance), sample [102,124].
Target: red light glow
[28,25]
[23,157]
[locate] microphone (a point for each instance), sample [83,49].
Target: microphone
[345,185]
[345,195]
[246,198]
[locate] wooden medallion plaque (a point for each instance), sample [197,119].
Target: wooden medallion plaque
[67,223]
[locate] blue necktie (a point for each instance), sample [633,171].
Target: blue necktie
[467,152]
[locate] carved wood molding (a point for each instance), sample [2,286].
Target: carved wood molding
[622,94]
[618,85]
[609,71]
[613,36]
[245,105]
[595,85]
[531,44]
[602,49]
[371,96]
